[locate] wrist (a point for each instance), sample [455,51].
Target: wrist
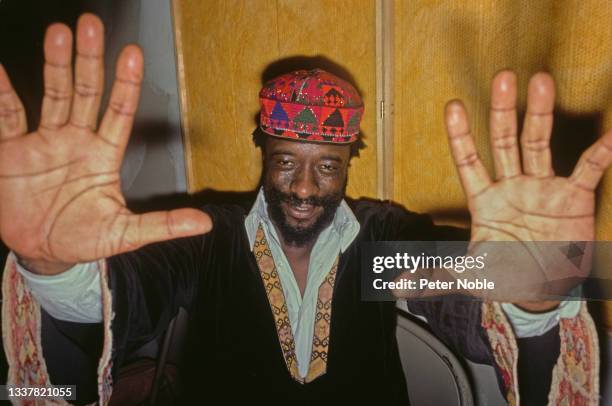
[42,267]
[539,306]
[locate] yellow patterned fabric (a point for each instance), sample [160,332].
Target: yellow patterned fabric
[278,305]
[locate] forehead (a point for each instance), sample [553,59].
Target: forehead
[276,145]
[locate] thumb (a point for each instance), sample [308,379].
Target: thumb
[160,226]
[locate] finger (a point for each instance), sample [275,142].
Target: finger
[593,163]
[58,77]
[12,115]
[143,229]
[89,72]
[502,125]
[119,117]
[535,141]
[473,174]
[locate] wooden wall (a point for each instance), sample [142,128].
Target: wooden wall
[439,50]
[452,48]
[224,50]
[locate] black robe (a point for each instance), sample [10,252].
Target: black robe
[233,348]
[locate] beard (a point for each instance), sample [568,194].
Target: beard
[300,236]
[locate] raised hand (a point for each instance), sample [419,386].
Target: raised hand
[60,196]
[526,202]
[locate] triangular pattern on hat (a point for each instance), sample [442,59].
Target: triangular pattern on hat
[312,102]
[333,97]
[306,116]
[324,113]
[279,113]
[318,112]
[334,119]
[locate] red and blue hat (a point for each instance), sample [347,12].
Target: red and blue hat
[311,105]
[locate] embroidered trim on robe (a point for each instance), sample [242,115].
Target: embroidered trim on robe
[21,326]
[575,377]
[276,298]
[322,327]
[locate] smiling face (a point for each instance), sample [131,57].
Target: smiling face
[304,183]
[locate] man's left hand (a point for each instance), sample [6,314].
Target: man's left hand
[525,202]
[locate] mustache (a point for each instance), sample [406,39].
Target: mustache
[299,235]
[294,200]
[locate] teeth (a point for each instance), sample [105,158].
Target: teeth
[303,209]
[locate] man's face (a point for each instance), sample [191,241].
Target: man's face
[304,183]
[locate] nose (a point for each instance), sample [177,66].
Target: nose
[304,185]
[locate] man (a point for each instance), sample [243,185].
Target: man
[273,292]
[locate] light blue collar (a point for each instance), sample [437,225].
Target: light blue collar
[345,223]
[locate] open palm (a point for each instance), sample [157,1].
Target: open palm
[526,203]
[60,195]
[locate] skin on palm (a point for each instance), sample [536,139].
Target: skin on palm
[527,203]
[60,197]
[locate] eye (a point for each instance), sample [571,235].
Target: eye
[285,164]
[328,168]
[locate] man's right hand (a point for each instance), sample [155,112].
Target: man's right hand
[60,195]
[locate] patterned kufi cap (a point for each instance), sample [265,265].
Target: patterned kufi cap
[311,106]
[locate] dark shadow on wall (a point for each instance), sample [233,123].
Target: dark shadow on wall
[153,157]
[22,27]
[23,24]
[572,135]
